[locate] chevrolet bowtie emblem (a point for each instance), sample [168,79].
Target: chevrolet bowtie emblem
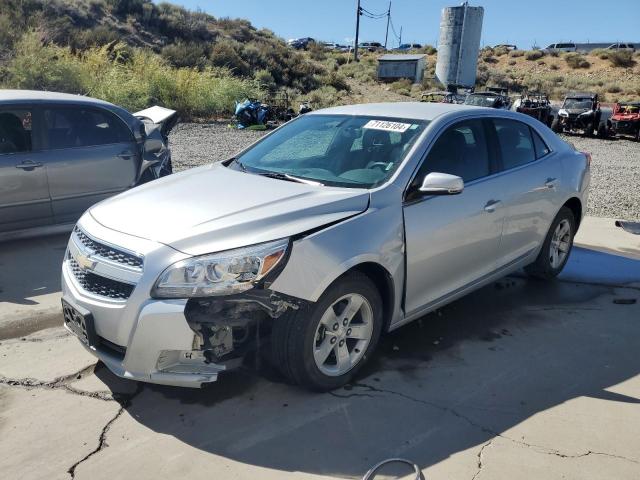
[85,261]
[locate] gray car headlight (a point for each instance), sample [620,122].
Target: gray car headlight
[563,113]
[224,273]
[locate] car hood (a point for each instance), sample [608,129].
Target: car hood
[577,111]
[213,208]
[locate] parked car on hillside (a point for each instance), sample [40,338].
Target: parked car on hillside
[508,46]
[371,46]
[630,47]
[562,47]
[341,225]
[301,43]
[60,154]
[580,112]
[625,120]
[408,46]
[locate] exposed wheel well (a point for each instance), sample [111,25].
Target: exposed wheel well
[575,206]
[384,283]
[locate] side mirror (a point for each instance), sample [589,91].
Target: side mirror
[436,183]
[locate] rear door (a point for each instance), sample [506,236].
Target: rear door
[531,194]
[24,194]
[452,241]
[91,155]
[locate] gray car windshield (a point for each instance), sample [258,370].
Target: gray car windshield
[335,150]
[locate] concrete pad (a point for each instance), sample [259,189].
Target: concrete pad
[547,369]
[44,432]
[30,285]
[601,234]
[43,356]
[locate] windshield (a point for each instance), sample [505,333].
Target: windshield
[577,103]
[480,100]
[336,150]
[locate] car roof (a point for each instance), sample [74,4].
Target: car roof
[8,95]
[409,110]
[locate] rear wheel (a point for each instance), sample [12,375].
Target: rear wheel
[556,247]
[555,125]
[322,349]
[588,131]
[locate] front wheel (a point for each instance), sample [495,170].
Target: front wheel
[323,348]
[555,125]
[556,247]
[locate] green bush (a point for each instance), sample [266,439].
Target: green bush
[429,50]
[265,80]
[534,54]
[336,80]
[186,54]
[575,60]
[516,53]
[131,78]
[601,53]
[621,59]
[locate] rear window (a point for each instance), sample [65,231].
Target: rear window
[541,148]
[15,130]
[516,143]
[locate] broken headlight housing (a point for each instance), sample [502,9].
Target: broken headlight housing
[224,273]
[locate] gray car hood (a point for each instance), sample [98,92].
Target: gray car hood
[212,208]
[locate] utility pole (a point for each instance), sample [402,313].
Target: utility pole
[355,47]
[386,35]
[400,40]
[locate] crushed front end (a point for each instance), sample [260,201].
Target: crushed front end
[107,277]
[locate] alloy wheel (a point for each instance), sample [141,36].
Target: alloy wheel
[560,244]
[343,335]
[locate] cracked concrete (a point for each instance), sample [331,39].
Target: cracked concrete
[522,380]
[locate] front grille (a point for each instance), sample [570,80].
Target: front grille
[107,252]
[99,285]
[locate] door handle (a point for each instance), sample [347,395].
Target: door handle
[28,165]
[126,155]
[491,205]
[551,182]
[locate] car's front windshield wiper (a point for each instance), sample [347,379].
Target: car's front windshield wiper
[290,178]
[240,164]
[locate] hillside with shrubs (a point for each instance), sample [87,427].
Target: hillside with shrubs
[136,53]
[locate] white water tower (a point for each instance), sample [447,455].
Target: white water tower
[460,30]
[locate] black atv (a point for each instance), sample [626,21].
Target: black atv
[580,112]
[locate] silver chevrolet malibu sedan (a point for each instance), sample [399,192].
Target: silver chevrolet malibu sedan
[307,246]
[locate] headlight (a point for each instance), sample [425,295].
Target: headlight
[224,273]
[563,113]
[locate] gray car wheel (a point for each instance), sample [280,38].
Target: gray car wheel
[323,347]
[556,248]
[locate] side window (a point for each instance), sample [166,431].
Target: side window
[540,146]
[15,130]
[461,150]
[514,139]
[69,127]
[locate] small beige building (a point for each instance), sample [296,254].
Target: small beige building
[396,66]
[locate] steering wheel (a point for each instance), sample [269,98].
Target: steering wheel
[382,165]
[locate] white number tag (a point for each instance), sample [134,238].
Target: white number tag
[387,126]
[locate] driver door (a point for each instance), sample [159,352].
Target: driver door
[452,241]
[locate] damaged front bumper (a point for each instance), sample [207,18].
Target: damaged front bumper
[180,342]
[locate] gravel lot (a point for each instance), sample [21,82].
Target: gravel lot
[615,175]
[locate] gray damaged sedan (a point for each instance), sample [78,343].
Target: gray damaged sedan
[335,228]
[61,153]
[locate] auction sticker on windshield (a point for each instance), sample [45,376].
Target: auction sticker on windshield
[388,126]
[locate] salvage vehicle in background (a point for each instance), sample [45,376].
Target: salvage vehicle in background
[61,153]
[580,112]
[561,47]
[442,96]
[341,225]
[536,105]
[630,47]
[625,120]
[493,97]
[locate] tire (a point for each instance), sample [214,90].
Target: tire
[299,336]
[602,131]
[555,125]
[637,137]
[588,131]
[545,268]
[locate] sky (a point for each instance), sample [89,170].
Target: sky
[520,22]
